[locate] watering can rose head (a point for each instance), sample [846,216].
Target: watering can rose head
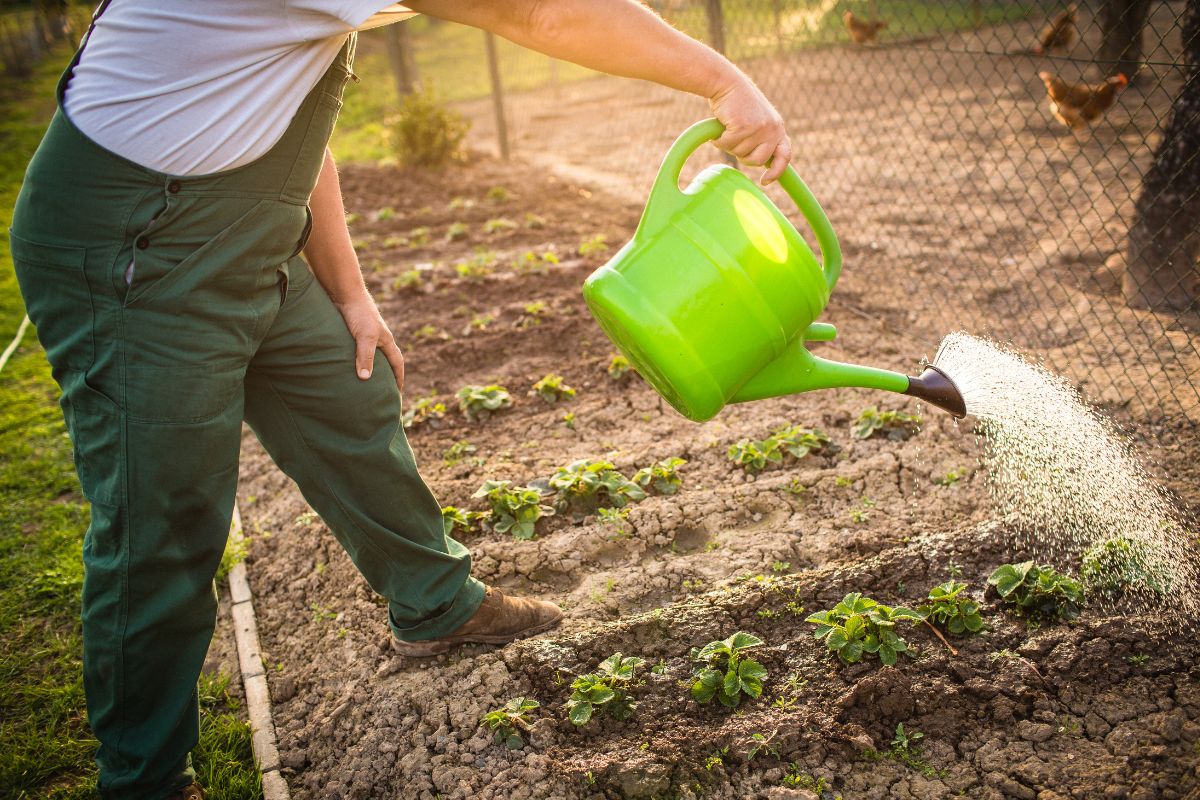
[716,294]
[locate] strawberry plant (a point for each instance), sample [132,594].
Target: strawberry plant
[1037,592]
[530,262]
[534,221]
[568,419]
[723,671]
[424,410]
[793,440]
[514,509]
[615,518]
[418,237]
[606,689]
[594,246]
[456,231]
[586,485]
[552,389]
[477,266]
[619,367]
[498,225]
[456,452]
[498,194]
[662,476]
[480,402]
[951,607]
[1119,563]
[409,280]
[859,625]
[464,520]
[896,424]
[384,214]
[508,722]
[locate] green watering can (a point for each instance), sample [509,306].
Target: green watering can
[716,294]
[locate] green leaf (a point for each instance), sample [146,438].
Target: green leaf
[579,712]
[1008,577]
[851,653]
[743,641]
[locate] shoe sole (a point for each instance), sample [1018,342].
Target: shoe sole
[436,647]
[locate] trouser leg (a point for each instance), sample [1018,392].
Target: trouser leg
[341,440]
[162,496]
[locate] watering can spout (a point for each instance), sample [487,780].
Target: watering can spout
[935,387]
[798,370]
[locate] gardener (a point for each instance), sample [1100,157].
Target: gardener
[181,246]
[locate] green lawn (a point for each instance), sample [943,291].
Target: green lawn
[46,748]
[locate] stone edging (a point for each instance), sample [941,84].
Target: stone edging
[254,677]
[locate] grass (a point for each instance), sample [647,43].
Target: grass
[46,747]
[451,59]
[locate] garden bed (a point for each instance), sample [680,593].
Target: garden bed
[1105,707]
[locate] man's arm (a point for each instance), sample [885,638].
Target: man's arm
[624,37]
[331,255]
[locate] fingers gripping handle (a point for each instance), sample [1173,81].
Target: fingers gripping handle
[666,197]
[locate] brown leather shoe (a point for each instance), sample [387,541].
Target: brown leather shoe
[499,620]
[190,792]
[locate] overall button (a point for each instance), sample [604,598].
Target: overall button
[174,186]
[142,243]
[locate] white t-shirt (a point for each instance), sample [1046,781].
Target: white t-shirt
[192,88]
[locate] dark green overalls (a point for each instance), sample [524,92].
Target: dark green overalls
[219,321]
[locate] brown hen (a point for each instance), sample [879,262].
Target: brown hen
[1077,105]
[1059,33]
[862,32]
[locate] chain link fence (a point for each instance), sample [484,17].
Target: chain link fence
[962,198]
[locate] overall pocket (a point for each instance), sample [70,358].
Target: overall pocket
[55,288]
[96,427]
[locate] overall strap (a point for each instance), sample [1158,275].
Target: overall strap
[83,40]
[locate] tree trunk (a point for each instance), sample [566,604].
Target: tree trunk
[1121,24]
[400,57]
[1164,243]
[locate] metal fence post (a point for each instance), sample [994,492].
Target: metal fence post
[497,93]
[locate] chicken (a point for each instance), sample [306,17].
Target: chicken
[1058,34]
[1077,105]
[862,32]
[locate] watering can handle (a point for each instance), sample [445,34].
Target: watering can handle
[665,196]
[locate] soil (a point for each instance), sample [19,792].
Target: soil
[1107,707]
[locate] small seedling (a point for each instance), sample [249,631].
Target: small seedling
[534,312]
[1138,659]
[1037,592]
[514,509]
[723,671]
[307,518]
[950,478]
[498,194]
[953,569]
[794,683]
[615,518]
[760,744]
[459,203]
[457,231]
[568,419]
[842,481]
[859,625]
[481,322]
[552,389]
[534,221]
[799,779]
[352,218]
[619,367]
[509,721]
[606,689]
[895,424]
[661,476]
[780,566]
[384,214]
[1120,563]
[454,517]
[480,265]
[456,452]
[498,225]
[479,402]
[795,488]
[408,281]
[419,237]
[953,608]
[859,515]
[594,246]
[322,614]
[904,739]
[585,485]
[424,410]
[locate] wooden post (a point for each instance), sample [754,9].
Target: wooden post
[401,58]
[497,93]
[777,10]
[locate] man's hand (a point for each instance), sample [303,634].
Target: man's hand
[754,130]
[370,332]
